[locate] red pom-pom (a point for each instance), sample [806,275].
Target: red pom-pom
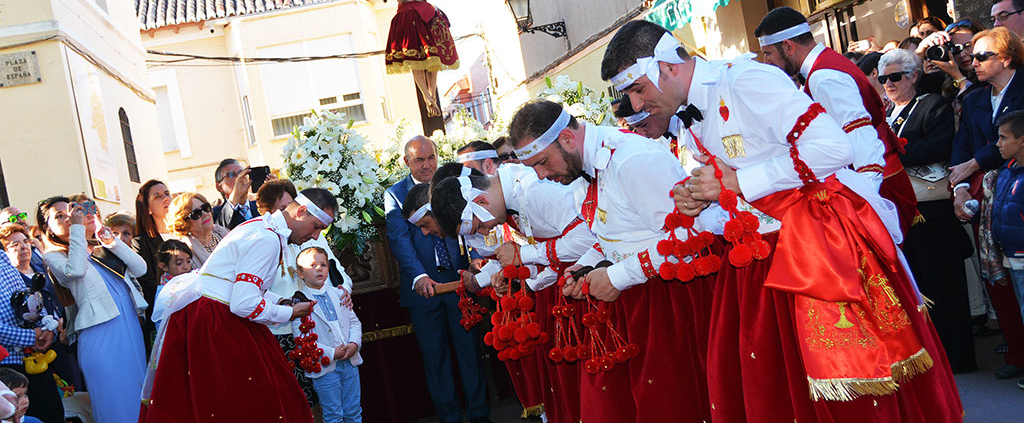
[667,271]
[525,303]
[665,247]
[634,350]
[508,303]
[569,354]
[733,230]
[542,338]
[496,318]
[672,221]
[521,335]
[707,237]
[509,272]
[685,272]
[533,329]
[583,353]
[505,333]
[523,272]
[325,361]
[592,366]
[716,262]
[681,248]
[741,255]
[685,221]
[750,221]
[703,266]
[761,249]
[727,199]
[555,355]
[489,338]
[514,354]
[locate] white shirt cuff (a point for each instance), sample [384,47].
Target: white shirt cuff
[962,185]
[754,182]
[528,254]
[619,277]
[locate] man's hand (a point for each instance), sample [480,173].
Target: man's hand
[685,202]
[77,215]
[346,298]
[936,38]
[573,288]
[346,352]
[469,281]
[600,286]
[960,197]
[963,171]
[44,339]
[499,283]
[300,310]
[240,192]
[864,46]
[508,254]
[425,287]
[704,186]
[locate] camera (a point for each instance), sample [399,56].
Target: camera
[942,52]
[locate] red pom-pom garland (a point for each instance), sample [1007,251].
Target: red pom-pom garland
[516,332]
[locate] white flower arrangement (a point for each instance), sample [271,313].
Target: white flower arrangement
[326,153]
[580,101]
[462,130]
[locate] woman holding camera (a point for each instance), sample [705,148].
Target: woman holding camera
[950,51]
[191,219]
[937,245]
[94,267]
[998,53]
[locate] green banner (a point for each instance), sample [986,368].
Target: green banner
[674,14]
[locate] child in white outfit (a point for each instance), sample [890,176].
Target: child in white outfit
[339,334]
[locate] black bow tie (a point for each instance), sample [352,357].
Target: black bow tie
[669,135]
[689,115]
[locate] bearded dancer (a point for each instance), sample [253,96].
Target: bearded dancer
[822,323]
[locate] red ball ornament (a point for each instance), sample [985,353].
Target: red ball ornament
[682,249]
[685,272]
[672,221]
[569,354]
[716,262]
[525,303]
[741,255]
[733,230]
[523,272]
[520,335]
[702,266]
[665,247]
[684,220]
[555,355]
[583,353]
[496,318]
[543,338]
[489,338]
[506,333]
[508,303]
[727,199]
[634,350]
[667,271]
[533,329]
[761,249]
[707,237]
[325,361]
[750,221]
[514,354]
[509,272]
[592,366]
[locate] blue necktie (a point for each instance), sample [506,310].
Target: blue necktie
[444,262]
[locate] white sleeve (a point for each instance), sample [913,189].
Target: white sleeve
[544,279]
[8,402]
[247,299]
[774,105]
[839,94]
[567,248]
[483,279]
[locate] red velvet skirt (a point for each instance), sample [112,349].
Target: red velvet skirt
[530,381]
[897,188]
[666,382]
[562,396]
[218,367]
[755,373]
[419,39]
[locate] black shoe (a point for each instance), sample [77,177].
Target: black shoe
[480,420]
[1009,371]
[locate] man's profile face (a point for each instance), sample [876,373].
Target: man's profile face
[229,174]
[775,55]
[305,226]
[421,159]
[653,127]
[554,163]
[1013,21]
[428,225]
[645,96]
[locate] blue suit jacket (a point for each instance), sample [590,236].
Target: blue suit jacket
[978,133]
[413,250]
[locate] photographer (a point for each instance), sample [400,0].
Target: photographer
[950,51]
[233,184]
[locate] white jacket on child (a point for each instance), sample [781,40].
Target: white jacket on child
[331,335]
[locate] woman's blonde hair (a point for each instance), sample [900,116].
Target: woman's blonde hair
[177,214]
[1004,43]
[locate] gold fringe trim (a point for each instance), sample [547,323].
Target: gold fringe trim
[431,64]
[849,389]
[534,411]
[917,219]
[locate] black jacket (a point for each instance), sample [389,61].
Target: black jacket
[927,125]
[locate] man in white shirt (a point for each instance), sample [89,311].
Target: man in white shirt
[783,346]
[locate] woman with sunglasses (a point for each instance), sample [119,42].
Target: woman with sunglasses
[936,246]
[190,218]
[998,53]
[957,42]
[93,271]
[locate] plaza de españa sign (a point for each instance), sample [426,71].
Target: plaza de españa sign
[19,69]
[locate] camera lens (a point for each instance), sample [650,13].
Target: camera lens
[939,52]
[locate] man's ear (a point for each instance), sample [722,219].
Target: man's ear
[302,211]
[567,139]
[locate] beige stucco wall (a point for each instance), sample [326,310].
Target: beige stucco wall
[43,152]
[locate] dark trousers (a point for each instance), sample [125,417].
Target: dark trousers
[435,325]
[44,399]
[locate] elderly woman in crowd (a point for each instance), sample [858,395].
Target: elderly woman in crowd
[151,206]
[936,245]
[997,55]
[191,219]
[94,266]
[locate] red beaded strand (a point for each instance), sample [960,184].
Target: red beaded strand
[309,356]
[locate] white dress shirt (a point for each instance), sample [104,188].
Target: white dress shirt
[332,334]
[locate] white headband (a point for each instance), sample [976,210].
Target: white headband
[785,34]
[664,51]
[476,155]
[314,210]
[637,118]
[545,139]
[420,212]
[472,209]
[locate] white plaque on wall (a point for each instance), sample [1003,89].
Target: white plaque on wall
[19,69]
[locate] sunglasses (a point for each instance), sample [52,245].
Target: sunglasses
[198,213]
[507,156]
[894,77]
[14,218]
[982,56]
[955,49]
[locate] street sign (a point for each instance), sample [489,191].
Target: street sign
[19,69]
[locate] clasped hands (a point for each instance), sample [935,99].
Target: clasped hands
[702,187]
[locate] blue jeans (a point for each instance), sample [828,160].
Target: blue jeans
[1017,276]
[339,394]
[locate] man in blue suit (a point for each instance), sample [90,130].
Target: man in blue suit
[423,262]
[233,185]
